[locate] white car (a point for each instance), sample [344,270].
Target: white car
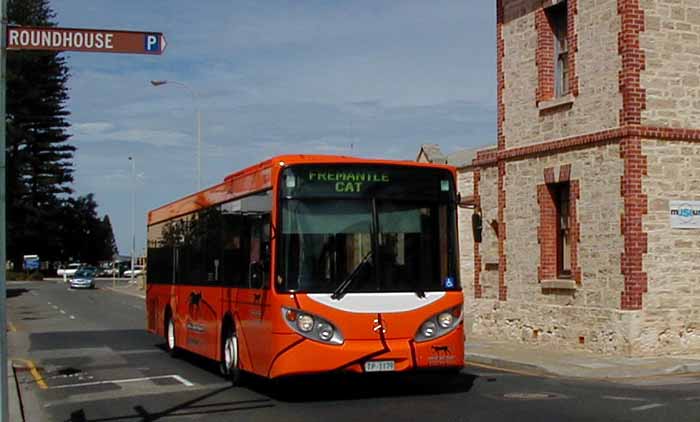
[70,270]
[138,270]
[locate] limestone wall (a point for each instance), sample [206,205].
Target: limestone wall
[589,313]
[488,190]
[597,65]
[671,318]
[465,186]
[671,44]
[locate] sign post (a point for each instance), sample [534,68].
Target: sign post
[4,408]
[50,39]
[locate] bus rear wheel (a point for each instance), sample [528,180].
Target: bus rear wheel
[230,361]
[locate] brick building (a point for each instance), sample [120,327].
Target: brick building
[598,140]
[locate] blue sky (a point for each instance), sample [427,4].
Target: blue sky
[366,78]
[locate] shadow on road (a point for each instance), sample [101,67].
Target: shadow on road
[15,292]
[343,385]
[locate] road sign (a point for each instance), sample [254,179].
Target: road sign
[88,40]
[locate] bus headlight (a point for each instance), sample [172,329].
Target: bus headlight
[312,326]
[428,329]
[445,320]
[439,324]
[305,323]
[325,332]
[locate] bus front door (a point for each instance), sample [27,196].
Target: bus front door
[253,303]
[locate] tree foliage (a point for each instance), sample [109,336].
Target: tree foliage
[42,217]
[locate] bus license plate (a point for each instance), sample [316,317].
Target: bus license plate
[379,366]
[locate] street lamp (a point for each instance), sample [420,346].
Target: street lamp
[195,101]
[133,215]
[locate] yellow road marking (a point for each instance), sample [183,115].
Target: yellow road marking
[35,373]
[11,326]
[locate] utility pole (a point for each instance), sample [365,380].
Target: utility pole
[4,407]
[133,215]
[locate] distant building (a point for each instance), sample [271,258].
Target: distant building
[591,197]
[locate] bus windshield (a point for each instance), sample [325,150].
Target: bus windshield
[394,232]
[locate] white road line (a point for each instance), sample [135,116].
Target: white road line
[71,317]
[48,303]
[54,306]
[647,407]
[124,381]
[62,311]
[182,380]
[623,398]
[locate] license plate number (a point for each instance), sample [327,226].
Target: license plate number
[379,366]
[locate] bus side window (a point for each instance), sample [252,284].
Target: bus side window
[259,250]
[234,260]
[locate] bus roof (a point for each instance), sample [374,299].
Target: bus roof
[258,178]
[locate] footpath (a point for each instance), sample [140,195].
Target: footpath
[546,360]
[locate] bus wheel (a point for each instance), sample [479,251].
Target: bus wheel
[170,344]
[229,365]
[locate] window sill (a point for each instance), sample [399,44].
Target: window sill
[565,101]
[559,284]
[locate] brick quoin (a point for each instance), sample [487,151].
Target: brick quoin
[500,75]
[635,163]
[635,239]
[502,261]
[633,62]
[501,146]
[478,292]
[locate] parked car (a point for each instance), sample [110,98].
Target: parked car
[84,278]
[69,270]
[138,270]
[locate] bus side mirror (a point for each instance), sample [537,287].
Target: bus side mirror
[477,226]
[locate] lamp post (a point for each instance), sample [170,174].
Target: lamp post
[133,215]
[195,101]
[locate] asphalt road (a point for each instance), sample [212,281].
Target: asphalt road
[93,361]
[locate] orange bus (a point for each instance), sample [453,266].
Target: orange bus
[306,264]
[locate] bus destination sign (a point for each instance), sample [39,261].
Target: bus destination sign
[347,181]
[86,40]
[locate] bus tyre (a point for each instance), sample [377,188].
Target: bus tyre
[170,342]
[230,363]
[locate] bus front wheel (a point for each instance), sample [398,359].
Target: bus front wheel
[170,342]
[229,365]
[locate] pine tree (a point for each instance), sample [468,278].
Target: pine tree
[38,153]
[110,245]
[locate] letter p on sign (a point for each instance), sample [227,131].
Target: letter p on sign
[153,43]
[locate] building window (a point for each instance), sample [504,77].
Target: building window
[558,22]
[561,194]
[559,231]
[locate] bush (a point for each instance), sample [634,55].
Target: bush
[17,276]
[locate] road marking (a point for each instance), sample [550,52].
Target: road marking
[647,407]
[62,311]
[35,373]
[11,327]
[623,398]
[71,317]
[124,381]
[54,306]
[48,303]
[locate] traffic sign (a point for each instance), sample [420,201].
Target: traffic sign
[88,40]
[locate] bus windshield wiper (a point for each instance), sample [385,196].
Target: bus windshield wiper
[419,291]
[342,288]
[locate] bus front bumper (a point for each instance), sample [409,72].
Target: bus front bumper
[304,356]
